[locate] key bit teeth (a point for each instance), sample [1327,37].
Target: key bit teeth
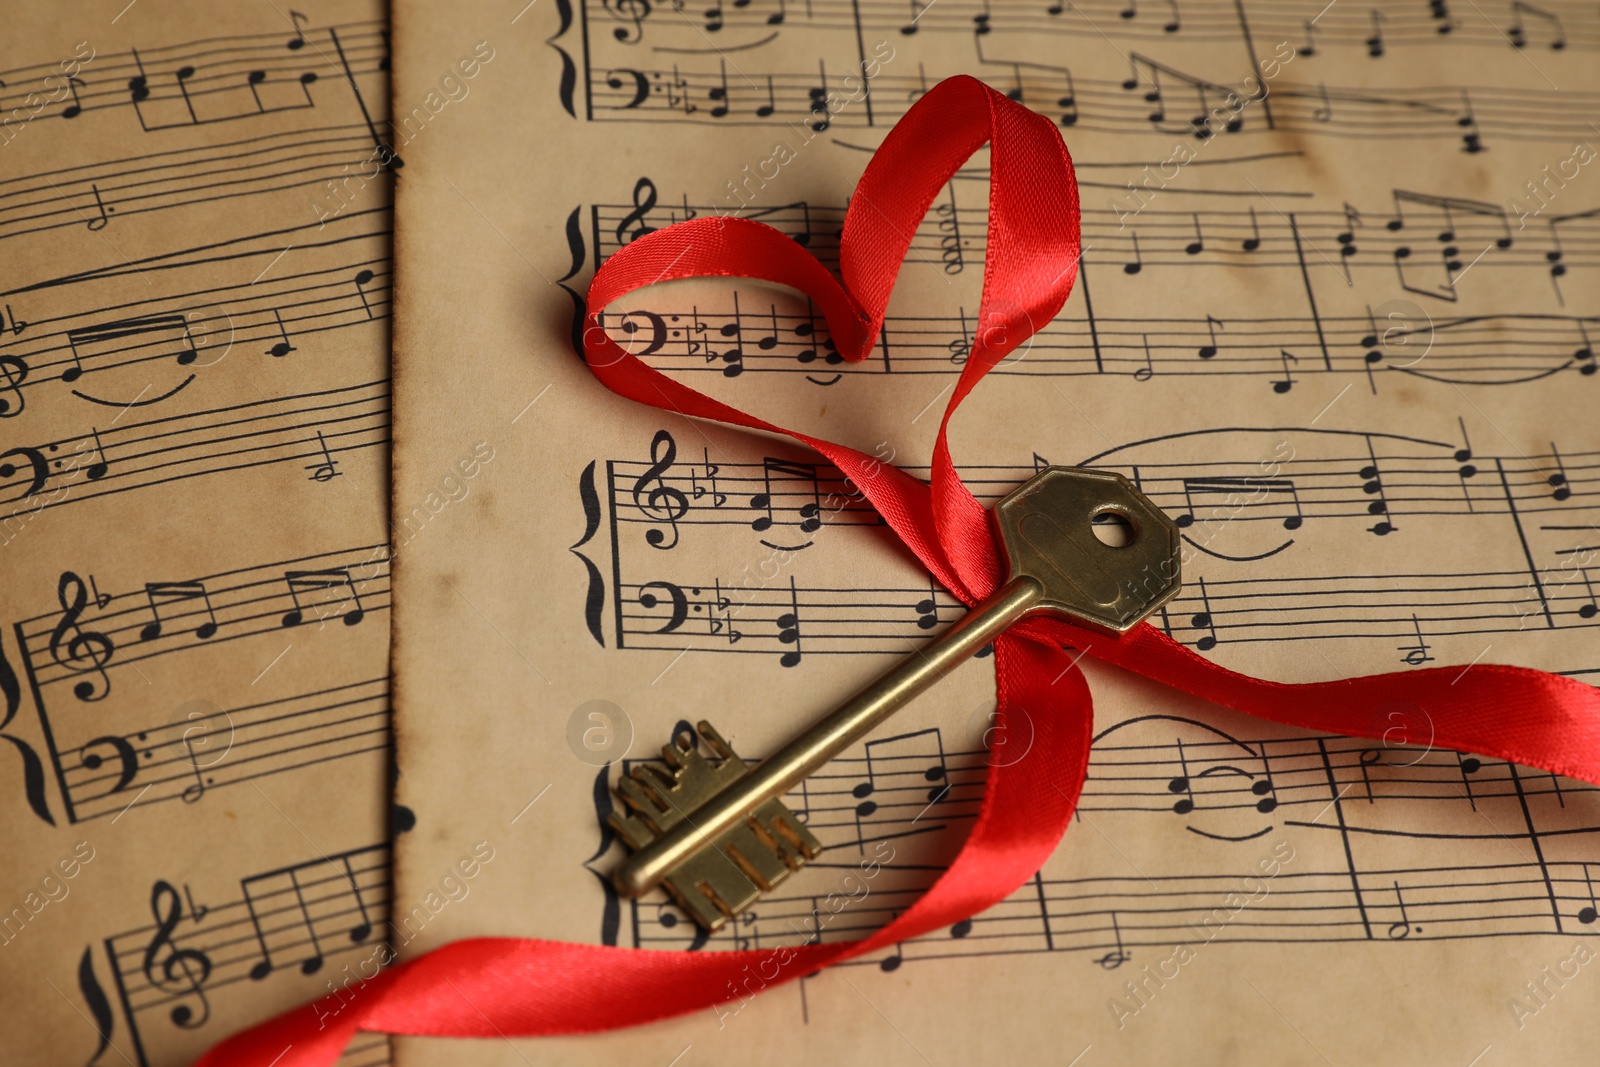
[733,870]
[714,740]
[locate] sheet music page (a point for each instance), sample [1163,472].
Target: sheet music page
[194,423]
[1335,316]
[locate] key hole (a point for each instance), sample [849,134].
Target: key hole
[1114,529]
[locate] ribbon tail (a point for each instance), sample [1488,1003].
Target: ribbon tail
[1516,714]
[511,987]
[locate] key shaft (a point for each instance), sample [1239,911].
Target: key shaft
[808,753]
[1058,566]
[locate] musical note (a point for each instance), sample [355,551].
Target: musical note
[1287,383]
[104,217]
[1589,912]
[927,609]
[1375,42]
[1372,485]
[1148,371]
[1138,261]
[1153,94]
[328,468]
[335,581]
[1265,788]
[1462,456]
[283,347]
[1468,766]
[80,650]
[1182,783]
[733,357]
[948,222]
[1592,608]
[362,280]
[789,629]
[139,84]
[196,789]
[1068,100]
[165,594]
[1519,37]
[1198,245]
[1439,10]
[147,329]
[808,513]
[1402,929]
[917,9]
[821,117]
[1310,47]
[656,499]
[719,93]
[1202,620]
[1471,141]
[1560,489]
[178,972]
[298,21]
[74,109]
[1264,492]
[1416,654]
[1175,23]
[766,110]
[769,340]
[1325,112]
[1253,242]
[1206,351]
[358,931]
[1118,955]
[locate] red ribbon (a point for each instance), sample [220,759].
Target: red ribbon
[491,987]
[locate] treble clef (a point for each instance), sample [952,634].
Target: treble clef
[660,501]
[183,970]
[15,372]
[641,208]
[79,650]
[634,11]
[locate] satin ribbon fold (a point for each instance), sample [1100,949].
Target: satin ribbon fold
[489,987]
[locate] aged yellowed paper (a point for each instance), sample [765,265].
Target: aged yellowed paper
[1334,315]
[194,423]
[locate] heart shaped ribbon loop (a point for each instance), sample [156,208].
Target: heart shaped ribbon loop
[1030,263]
[509,987]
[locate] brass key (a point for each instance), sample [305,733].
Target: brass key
[718,835]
